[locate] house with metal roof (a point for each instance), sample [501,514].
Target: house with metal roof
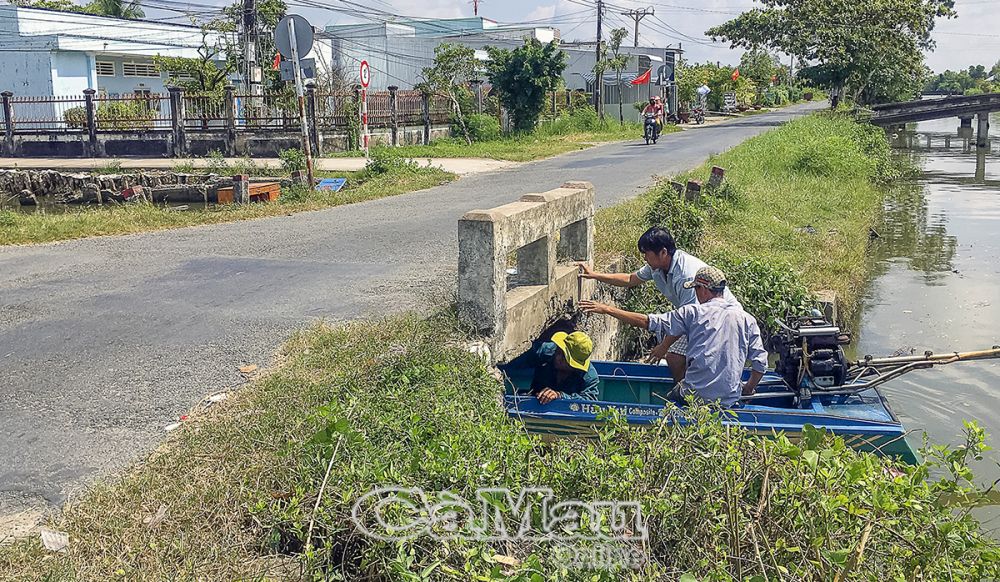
[48,52]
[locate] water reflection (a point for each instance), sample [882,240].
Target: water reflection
[911,231]
[937,287]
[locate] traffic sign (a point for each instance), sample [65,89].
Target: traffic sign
[303,36]
[366,74]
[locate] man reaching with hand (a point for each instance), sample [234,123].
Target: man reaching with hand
[721,338]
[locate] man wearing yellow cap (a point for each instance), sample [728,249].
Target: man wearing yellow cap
[563,368]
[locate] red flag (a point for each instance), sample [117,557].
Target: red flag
[643,79]
[736,73]
[276,64]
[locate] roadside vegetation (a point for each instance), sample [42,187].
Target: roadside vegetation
[386,175]
[262,485]
[576,129]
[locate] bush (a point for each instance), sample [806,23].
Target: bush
[217,163]
[713,499]
[579,120]
[127,115]
[385,161]
[292,160]
[685,221]
[769,290]
[75,117]
[481,128]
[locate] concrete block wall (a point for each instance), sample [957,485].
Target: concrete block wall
[549,232]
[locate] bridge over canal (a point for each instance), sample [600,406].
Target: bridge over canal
[893,115]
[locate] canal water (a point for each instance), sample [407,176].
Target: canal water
[937,287]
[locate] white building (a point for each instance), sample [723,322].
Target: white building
[46,52]
[398,52]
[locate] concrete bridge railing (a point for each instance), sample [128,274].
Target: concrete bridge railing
[549,232]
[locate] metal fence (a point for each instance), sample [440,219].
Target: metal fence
[47,114]
[130,113]
[213,112]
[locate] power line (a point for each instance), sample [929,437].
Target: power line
[637,16]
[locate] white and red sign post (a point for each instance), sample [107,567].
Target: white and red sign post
[366,77]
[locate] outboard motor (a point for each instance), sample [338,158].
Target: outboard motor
[810,354]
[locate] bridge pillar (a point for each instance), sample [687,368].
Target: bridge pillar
[983,135]
[965,127]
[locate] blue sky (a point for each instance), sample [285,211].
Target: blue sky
[972,38]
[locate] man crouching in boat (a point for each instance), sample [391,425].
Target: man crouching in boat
[721,338]
[563,368]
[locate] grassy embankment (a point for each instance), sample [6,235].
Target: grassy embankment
[388,179]
[400,403]
[567,133]
[793,217]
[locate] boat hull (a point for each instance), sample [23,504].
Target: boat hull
[864,420]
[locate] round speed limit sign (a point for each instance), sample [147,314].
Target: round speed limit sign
[366,74]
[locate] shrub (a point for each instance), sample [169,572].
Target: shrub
[769,290]
[127,115]
[481,128]
[685,221]
[292,160]
[385,161]
[75,117]
[217,163]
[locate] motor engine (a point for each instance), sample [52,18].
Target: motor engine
[810,354]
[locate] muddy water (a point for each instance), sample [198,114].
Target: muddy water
[937,287]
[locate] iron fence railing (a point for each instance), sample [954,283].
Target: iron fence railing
[179,112]
[136,112]
[31,114]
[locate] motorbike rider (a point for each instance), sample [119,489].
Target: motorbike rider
[655,107]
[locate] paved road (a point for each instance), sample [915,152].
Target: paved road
[104,341]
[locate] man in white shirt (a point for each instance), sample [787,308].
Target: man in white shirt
[669,268]
[722,337]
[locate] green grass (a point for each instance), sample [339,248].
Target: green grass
[401,403]
[543,143]
[25,228]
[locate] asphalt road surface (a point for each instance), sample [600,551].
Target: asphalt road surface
[105,341]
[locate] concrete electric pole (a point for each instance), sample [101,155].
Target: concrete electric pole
[638,15]
[598,79]
[250,47]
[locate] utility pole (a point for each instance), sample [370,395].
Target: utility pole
[250,46]
[475,6]
[598,79]
[638,15]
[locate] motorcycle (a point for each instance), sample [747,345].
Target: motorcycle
[698,115]
[651,129]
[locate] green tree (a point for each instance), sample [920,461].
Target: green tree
[758,66]
[616,61]
[872,51]
[201,74]
[454,65]
[116,9]
[59,5]
[523,76]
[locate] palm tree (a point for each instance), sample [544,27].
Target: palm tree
[116,9]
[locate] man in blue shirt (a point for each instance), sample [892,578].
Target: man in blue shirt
[669,268]
[721,338]
[563,368]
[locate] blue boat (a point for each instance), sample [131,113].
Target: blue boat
[638,391]
[812,383]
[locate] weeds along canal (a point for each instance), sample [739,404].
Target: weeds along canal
[936,286]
